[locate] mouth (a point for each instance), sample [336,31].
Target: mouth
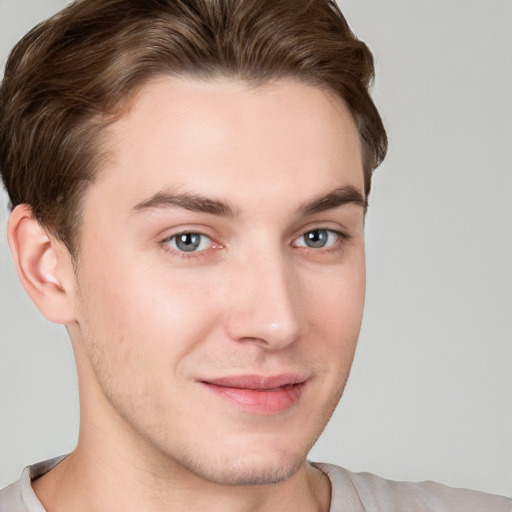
[259,394]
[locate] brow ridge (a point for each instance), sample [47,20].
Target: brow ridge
[192,202]
[341,196]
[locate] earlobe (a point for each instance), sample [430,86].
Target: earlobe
[43,265]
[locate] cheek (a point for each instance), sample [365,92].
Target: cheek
[145,308]
[334,316]
[138,329]
[337,296]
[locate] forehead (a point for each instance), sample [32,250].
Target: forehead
[285,138]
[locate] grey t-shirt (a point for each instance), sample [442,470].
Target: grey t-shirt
[351,492]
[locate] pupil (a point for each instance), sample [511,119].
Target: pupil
[316,238]
[188,242]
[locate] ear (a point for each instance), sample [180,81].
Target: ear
[44,266]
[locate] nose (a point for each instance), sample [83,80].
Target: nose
[265,302]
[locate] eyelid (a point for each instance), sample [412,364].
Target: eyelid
[342,237]
[330,232]
[201,236]
[183,229]
[176,252]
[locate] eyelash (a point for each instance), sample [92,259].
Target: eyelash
[336,246]
[184,254]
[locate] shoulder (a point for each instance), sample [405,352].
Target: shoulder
[366,492]
[19,496]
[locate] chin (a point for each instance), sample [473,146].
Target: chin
[245,469]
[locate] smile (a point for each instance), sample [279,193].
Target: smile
[257,394]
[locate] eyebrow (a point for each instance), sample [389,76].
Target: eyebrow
[347,194]
[198,203]
[192,202]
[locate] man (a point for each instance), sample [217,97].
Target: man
[189,181]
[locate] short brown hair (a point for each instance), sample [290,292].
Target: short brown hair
[67,77]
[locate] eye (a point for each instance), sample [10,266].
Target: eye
[189,242]
[318,239]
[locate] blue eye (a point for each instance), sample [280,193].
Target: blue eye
[317,239]
[189,242]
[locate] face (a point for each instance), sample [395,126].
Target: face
[220,279]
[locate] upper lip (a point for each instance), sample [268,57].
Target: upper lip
[257,382]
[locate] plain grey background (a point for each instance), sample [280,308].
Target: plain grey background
[430,395]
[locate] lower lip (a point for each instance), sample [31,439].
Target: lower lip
[260,401]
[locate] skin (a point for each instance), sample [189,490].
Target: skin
[150,324]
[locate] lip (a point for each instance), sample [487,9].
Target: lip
[259,394]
